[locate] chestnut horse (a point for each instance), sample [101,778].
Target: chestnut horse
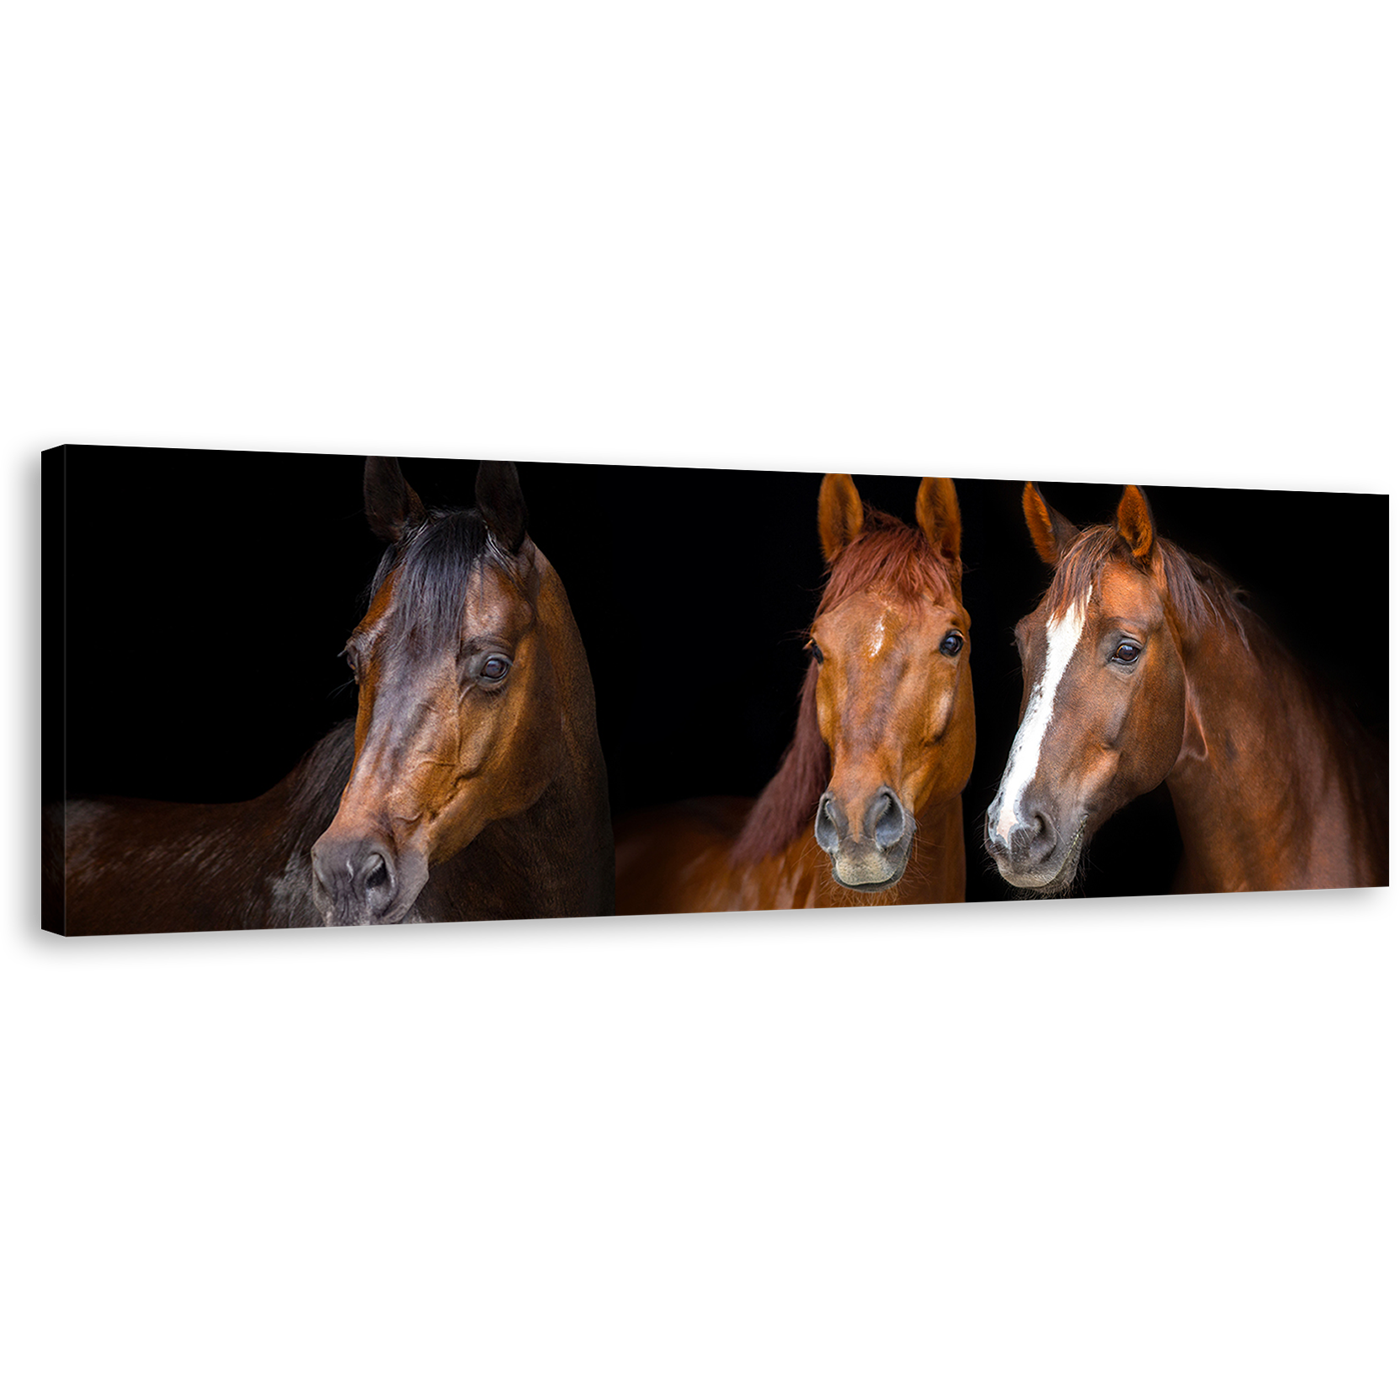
[470,786]
[866,807]
[1142,666]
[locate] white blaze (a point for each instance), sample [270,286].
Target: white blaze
[1061,639]
[877,638]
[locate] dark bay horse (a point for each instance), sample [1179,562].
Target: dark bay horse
[471,785]
[866,807]
[1141,666]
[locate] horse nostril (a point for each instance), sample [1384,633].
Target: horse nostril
[885,818]
[1032,839]
[827,832]
[373,876]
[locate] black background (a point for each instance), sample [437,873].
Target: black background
[208,594]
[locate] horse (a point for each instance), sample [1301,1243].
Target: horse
[1141,665]
[470,785]
[866,805]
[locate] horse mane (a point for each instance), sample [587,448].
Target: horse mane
[1200,595]
[887,557]
[315,785]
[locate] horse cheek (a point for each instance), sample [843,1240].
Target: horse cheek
[541,743]
[1151,737]
[1168,713]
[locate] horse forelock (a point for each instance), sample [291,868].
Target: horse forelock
[889,558]
[1198,595]
[432,570]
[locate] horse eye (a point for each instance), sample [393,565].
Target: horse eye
[816,651]
[495,669]
[951,645]
[1127,653]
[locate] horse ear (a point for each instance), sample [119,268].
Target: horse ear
[502,503]
[391,504]
[840,515]
[1051,533]
[1135,523]
[936,510]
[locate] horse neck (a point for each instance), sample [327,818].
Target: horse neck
[578,705]
[552,858]
[584,774]
[1262,770]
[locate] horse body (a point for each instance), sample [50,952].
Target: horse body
[470,786]
[138,866]
[866,807]
[1142,667]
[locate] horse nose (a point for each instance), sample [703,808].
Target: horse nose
[357,877]
[884,821]
[1030,840]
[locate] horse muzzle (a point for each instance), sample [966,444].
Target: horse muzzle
[361,880]
[871,853]
[1031,854]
